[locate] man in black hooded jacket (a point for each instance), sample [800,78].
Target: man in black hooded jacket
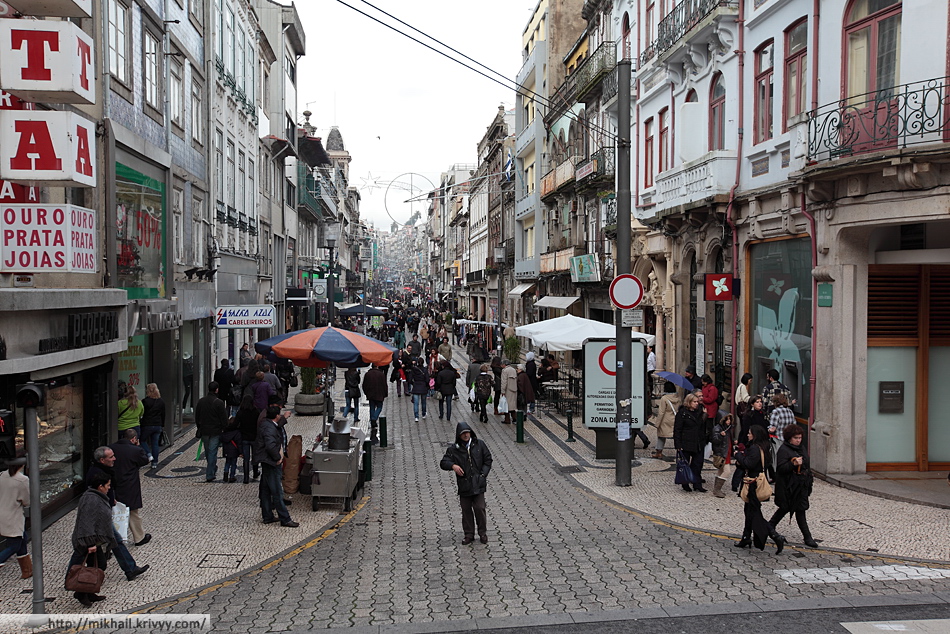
[471,460]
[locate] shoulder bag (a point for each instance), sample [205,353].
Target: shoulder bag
[763,490]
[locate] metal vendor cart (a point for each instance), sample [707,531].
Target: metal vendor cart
[337,463]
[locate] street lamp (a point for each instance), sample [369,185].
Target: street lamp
[331,234]
[499,258]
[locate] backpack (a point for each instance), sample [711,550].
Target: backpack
[484,384]
[237,394]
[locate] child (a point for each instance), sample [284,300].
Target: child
[231,448]
[721,442]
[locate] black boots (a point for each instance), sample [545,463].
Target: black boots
[779,542]
[810,541]
[745,542]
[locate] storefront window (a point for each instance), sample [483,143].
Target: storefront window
[781,316]
[134,364]
[60,427]
[140,231]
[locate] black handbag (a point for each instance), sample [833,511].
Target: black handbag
[684,475]
[293,380]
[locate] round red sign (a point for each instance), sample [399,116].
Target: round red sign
[626,291]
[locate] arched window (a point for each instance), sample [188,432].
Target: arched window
[625,30]
[872,46]
[691,96]
[764,66]
[717,114]
[796,69]
[580,134]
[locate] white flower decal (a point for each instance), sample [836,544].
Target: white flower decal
[776,286]
[720,286]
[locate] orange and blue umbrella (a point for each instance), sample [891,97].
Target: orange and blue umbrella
[318,347]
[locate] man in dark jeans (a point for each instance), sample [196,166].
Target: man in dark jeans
[471,461]
[269,452]
[211,417]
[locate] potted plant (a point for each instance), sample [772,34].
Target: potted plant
[309,401]
[511,348]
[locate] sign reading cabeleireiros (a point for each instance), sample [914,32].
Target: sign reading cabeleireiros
[259,316]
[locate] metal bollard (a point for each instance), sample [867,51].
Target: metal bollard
[570,425]
[367,461]
[383,432]
[519,426]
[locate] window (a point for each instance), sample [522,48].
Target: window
[796,67]
[872,44]
[197,114]
[119,41]
[241,181]
[648,153]
[219,16]
[230,174]
[664,162]
[290,67]
[651,18]
[199,231]
[175,96]
[251,193]
[219,164]
[529,239]
[625,30]
[764,63]
[717,114]
[229,42]
[241,65]
[196,10]
[692,97]
[178,197]
[152,60]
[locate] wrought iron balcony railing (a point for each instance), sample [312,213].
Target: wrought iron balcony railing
[611,86]
[909,114]
[605,161]
[680,21]
[600,63]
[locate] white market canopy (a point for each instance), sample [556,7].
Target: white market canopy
[569,332]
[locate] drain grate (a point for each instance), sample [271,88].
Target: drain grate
[222,561]
[846,524]
[572,469]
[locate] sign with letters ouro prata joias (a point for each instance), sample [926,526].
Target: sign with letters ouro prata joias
[48,238]
[600,384]
[257,316]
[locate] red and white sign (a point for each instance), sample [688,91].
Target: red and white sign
[719,287]
[53,8]
[47,148]
[48,238]
[626,291]
[41,60]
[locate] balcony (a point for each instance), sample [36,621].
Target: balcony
[527,267]
[564,173]
[547,184]
[535,59]
[526,204]
[525,138]
[686,16]
[611,86]
[595,67]
[599,167]
[557,261]
[475,277]
[910,114]
[710,176]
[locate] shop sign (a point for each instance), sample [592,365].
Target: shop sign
[154,316]
[83,330]
[53,8]
[259,316]
[585,268]
[42,60]
[719,287]
[586,169]
[47,148]
[48,238]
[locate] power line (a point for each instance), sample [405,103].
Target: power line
[508,83]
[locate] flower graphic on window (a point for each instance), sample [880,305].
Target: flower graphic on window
[720,286]
[776,286]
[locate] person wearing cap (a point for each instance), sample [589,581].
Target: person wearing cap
[471,461]
[14,497]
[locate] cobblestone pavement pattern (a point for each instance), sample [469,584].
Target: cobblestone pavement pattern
[560,543]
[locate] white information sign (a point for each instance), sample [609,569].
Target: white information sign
[700,355]
[258,316]
[600,384]
[320,291]
[631,318]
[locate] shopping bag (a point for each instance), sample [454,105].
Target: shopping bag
[198,455]
[503,405]
[120,520]
[471,395]
[684,475]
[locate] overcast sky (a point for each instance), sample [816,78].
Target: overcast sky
[401,107]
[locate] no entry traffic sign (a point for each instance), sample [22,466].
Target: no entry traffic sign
[626,291]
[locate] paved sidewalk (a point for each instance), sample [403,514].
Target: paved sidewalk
[564,543]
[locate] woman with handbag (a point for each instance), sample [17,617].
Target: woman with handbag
[757,462]
[665,417]
[793,482]
[92,539]
[690,438]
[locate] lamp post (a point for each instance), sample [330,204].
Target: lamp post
[331,234]
[499,258]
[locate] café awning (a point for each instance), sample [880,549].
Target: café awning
[554,301]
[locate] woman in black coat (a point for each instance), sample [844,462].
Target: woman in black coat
[246,422]
[754,459]
[690,435]
[419,387]
[153,422]
[793,482]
